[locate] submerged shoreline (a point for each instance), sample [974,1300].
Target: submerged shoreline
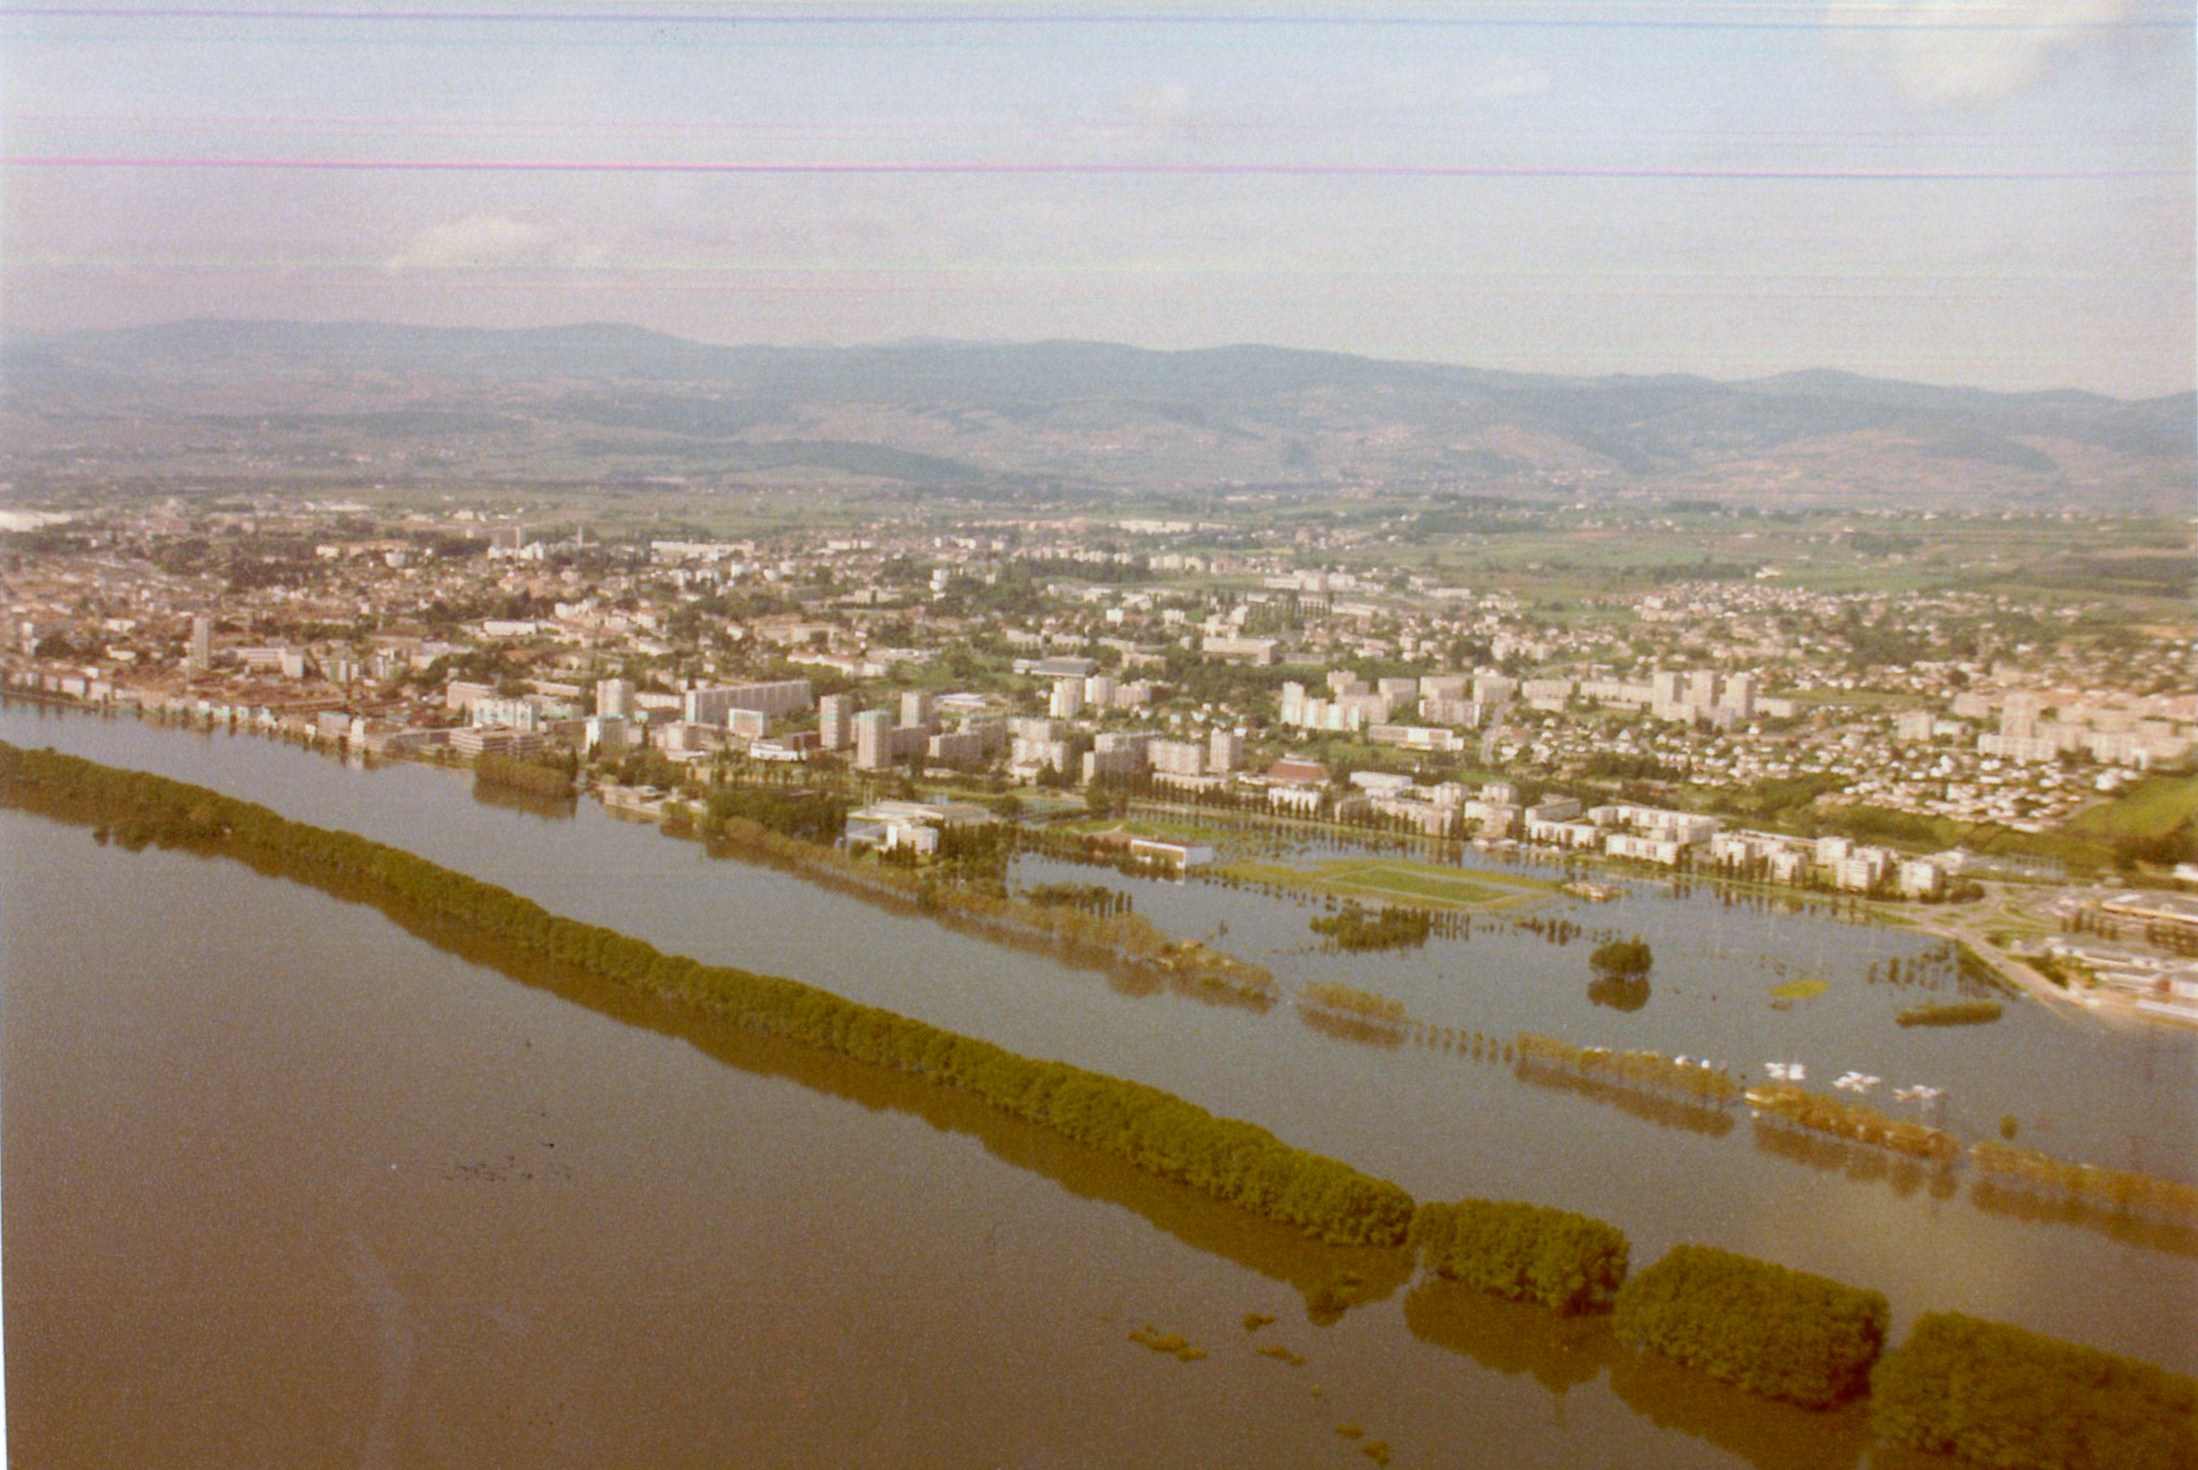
[1344,1207]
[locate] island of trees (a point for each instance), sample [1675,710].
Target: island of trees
[1353,929]
[1997,1395]
[1951,1013]
[1783,1334]
[1622,959]
[1569,1263]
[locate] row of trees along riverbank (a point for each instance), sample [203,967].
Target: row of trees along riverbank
[1997,1395]
[1702,1307]
[1566,1262]
[1981,1391]
[1233,1161]
[537,778]
[1783,1334]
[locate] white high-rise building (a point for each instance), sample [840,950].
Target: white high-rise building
[202,644]
[916,708]
[1068,699]
[873,740]
[1224,752]
[836,721]
[1177,757]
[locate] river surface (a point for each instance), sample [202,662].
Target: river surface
[289,1184]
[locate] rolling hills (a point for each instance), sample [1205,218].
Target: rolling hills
[277,402]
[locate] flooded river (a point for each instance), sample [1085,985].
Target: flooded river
[287,1183]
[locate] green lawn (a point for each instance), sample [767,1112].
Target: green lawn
[1401,881]
[1387,881]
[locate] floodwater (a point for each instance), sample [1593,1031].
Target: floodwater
[281,1185]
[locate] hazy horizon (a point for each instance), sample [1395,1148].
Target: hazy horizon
[1998,197]
[919,340]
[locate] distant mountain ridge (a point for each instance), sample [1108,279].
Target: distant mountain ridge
[603,401]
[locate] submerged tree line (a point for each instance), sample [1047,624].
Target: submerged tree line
[1081,929]
[1233,1161]
[1958,1384]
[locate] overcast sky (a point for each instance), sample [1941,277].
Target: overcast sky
[1993,192]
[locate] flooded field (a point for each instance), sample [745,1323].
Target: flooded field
[235,1070]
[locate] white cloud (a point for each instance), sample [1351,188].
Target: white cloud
[1164,106]
[1974,51]
[474,242]
[1507,77]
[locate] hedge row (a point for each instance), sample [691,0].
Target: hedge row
[1784,1334]
[1525,1252]
[1351,1001]
[1820,1114]
[2118,1188]
[2004,1397]
[1698,1080]
[1232,1161]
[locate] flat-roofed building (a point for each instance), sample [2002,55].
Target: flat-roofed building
[873,740]
[1259,652]
[1177,757]
[1170,853]
[711,705]
[836,721]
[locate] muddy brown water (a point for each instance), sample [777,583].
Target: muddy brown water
[287,1183]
